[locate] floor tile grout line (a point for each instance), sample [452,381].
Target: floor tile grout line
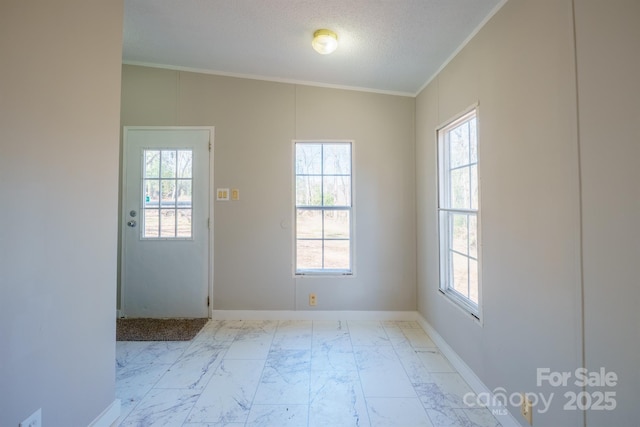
[226,349]
[223,358]
[355,360]
[264,366]
[246,421]
[408,376]
[136,354]
[156,382]
[448,372]
[145,394]
[313,324]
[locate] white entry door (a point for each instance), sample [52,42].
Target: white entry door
[165,236]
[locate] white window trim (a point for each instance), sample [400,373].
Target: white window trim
[449,295]
[310,274]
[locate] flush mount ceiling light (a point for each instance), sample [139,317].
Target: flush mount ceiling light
[324,41]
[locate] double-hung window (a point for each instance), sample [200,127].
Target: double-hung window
[323,199]
[458,211]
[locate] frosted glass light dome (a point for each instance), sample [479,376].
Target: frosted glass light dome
[324,41]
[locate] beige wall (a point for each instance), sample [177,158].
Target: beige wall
[558,146]
[255,123]
[59,117]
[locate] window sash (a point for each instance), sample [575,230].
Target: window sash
[324,201]
[450,249]
[452,232]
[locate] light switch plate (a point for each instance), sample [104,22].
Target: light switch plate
[235,194]
[222,194]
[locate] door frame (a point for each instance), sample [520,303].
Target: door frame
[123,215]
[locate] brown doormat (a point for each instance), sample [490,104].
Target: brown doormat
[158,329]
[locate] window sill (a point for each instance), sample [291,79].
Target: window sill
[461,304]
[323,274]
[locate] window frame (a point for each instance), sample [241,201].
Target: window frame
[324,272]
[444,210]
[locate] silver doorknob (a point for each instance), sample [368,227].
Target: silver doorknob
[131,223]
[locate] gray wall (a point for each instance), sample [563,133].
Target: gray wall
[608,68]
[255,123]
[559,177]
[59,117]
[558,145]
[546,165]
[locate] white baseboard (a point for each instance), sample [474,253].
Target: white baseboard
[501,413]
[109,416]
[312,315]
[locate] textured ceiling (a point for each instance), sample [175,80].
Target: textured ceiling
[391,46]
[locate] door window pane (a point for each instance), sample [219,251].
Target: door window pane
[151,193]
[184,166]
[184,193]
[167,194]
[152,164]
[151,223]
[183,220]
[168,160]
[167,223]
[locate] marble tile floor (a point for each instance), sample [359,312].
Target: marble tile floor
[294,373]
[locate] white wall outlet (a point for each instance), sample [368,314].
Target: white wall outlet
[312,299]
[34,420]
[527,409]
